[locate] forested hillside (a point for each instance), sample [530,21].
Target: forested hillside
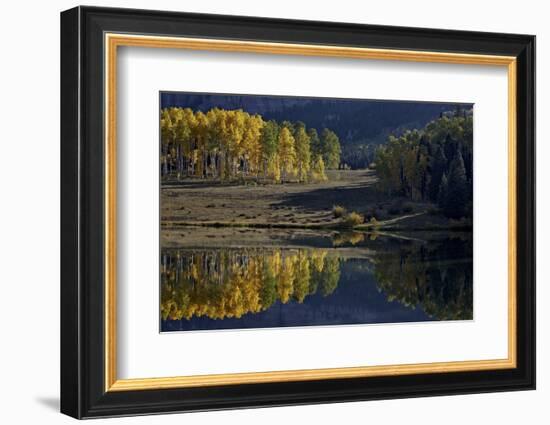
[361,125]
[432,164]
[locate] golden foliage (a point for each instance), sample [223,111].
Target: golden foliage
[230,283]
[233,144]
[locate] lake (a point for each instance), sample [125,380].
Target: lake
[322,279]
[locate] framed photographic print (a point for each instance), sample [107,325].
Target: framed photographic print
[261,212]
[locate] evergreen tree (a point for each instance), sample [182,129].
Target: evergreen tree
[443,191]
[438,167]
[330,148]
[457,194]
[314,142]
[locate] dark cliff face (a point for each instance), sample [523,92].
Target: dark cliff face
[354,120]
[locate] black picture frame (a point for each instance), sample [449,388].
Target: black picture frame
[83,392]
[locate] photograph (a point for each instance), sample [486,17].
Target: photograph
[289,211]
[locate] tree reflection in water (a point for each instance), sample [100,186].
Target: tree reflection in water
[227,283]
[436,276]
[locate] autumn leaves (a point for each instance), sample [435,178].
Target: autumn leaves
[233,145]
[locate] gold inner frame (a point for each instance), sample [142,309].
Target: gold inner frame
[113,41]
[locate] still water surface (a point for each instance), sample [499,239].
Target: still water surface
[359,280]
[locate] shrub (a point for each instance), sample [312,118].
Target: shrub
[354,219]
[338,211]
[374,222]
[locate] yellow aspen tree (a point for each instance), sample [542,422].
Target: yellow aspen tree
[216,124]
[318,169]
[287,153]
[201,135]
[251,147]
[303,153]
[235,132]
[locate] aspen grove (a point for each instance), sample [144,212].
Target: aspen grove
[233,145]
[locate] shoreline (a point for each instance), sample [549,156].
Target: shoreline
[295,206]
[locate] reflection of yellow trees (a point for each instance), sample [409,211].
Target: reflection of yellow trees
[432,278]
[330,276]
[345,238]
[230,283]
